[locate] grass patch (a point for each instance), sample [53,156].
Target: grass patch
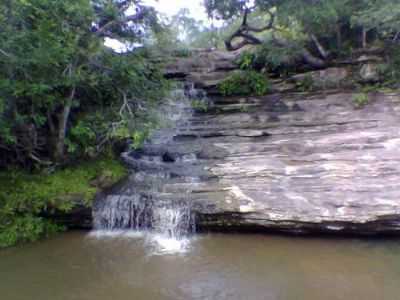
[23,196]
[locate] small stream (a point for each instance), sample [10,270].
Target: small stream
[80,266]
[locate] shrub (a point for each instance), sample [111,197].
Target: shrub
[24,196]
[244,83]
[246,60]
[306,84]
[275,59]
[360,100]
[199,105]
[390,71]
[182,52]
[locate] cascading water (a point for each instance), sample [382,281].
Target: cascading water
[124,213]
[144,203]
[172,219]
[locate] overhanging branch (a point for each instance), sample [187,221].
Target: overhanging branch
[245,33]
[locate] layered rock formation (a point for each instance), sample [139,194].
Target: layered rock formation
[205,69]
[291,162]
[298,163]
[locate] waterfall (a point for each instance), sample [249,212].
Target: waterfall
[171,219]
[174,221]
[144,204]
[123,213]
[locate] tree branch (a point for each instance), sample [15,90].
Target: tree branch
[305,54]
[244,32]
[5,53]
[319,46]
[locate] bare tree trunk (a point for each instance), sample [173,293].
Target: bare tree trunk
[312,60]
[396,36]
[364,38]
[339,36]
[62,128]
[319,46]
[305,54]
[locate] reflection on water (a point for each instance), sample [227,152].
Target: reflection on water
[77,266]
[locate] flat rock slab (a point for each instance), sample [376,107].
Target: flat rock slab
[299,163]
[328,167]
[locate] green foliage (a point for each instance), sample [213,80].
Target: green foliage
[383,14]
[274,57]
[306,84]
[306,33]
[390,71]
[27,228]
[50,99]
[244,83]
[24,196]
[226,9]
[199,105]
[182,52]
[139,137]
[318,17]
[360,100]
[246,60]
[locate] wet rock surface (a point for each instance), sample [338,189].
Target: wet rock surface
[205,69]
[299,163]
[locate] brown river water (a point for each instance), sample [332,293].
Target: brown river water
[79,266]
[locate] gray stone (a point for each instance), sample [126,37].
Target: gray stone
[204,68]
[369,73]
[329,168]
[327,78]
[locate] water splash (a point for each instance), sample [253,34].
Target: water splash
[162,245]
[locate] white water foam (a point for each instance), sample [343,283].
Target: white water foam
[158,244]
[163,245]
[104,234]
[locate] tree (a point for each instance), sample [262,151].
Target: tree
[383,16]
[315,27]
[54,68]
[231,9]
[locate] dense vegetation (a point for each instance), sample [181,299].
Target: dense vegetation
[247,82]
[65,97]
[315,31]
[26,197]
